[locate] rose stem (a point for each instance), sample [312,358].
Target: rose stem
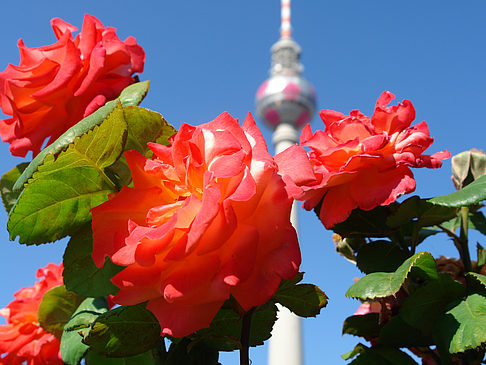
[466,258]
[245,338]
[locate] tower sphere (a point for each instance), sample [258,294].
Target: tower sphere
[285,98]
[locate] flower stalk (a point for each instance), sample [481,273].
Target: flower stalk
[463,239]
[245,338]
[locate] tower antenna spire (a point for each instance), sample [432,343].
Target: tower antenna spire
[285,24]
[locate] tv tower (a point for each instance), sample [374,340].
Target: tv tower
[286,102]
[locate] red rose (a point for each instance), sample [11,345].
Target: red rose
[22,340]
[56,86]
[207,217]
[358,161]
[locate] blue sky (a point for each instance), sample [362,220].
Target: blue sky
[205,57]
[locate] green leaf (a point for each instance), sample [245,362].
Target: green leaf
[384,256]
[463,327]
[305,300]
[358,349]
[383,355]
[421,212]
[382,284]
[425,304]
[365,325]
[426,233]
[80,273]
[477,279]
[65,140]
[471,194]
[72,349]
[9,196]
[144,126]
[287,284]
[374,285]
[399,333]
[57,201]
[94,358]
[477,221]
[481,256]
[55,309]
[186,353]
[124,331]
[225,330]
[133,94]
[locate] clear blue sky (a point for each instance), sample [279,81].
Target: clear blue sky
[205,57]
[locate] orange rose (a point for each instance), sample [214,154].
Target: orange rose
[207,217]
[56,86]
[22,340]
[358,161]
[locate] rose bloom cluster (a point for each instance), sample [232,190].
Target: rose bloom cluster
[22,340]
[207,217]
[55,86]
[358,161]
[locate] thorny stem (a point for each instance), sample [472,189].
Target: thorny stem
[245,338]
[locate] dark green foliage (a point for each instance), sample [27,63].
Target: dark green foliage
[225,330]
[72,348]
[10,196]
[58,199]
[56,308]
[80,274]
[124,331]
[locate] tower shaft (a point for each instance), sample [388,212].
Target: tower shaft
[286,102]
